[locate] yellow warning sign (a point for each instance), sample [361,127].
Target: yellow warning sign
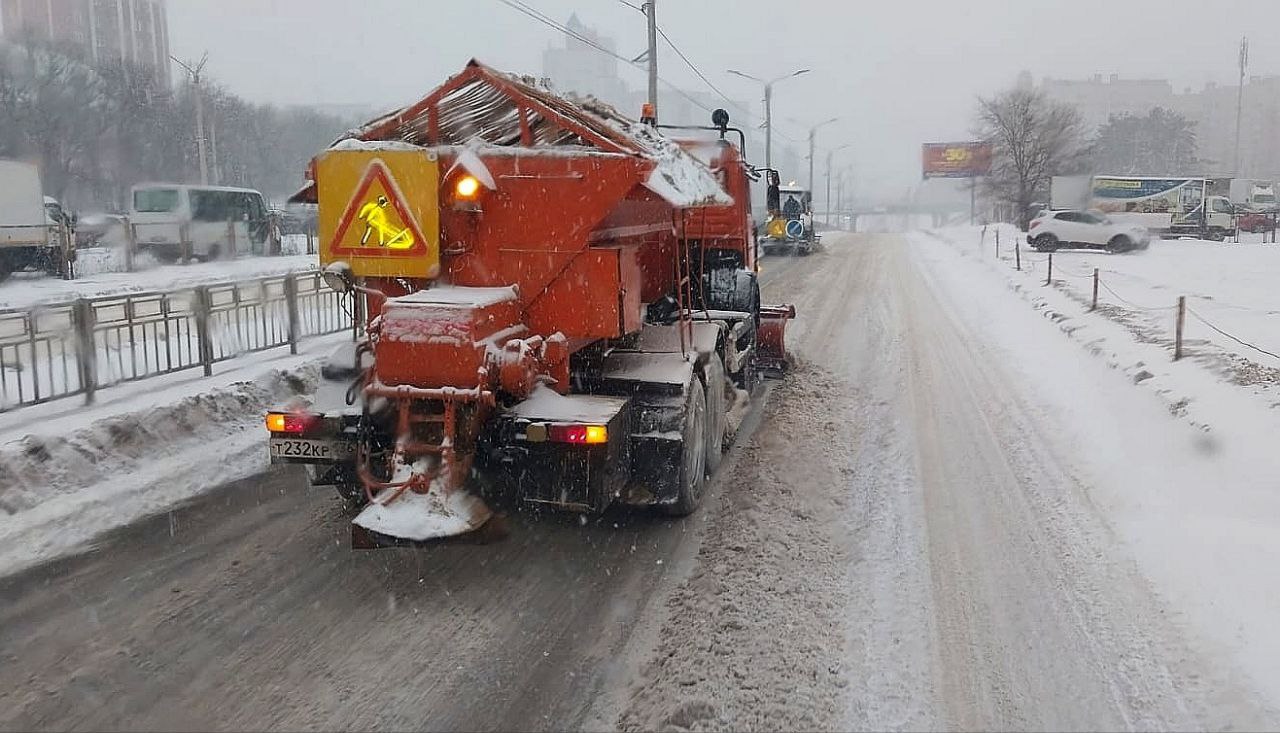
[379,212]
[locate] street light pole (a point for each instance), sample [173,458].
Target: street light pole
[768,108]
[195,73]
[831,154]
[813,134]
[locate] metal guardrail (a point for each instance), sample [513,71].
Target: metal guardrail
[61,350]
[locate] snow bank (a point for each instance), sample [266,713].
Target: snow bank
[72,477]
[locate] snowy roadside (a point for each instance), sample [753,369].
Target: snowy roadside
[1230,286]
[70,473]
[1194,495]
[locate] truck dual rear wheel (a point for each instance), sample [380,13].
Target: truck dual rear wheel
[693,457]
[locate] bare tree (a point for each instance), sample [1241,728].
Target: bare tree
[1033,139]
[97,129]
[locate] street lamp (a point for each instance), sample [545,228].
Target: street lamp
[812,135]
[768,108]
[831,154]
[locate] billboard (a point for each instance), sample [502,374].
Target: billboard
[957,160]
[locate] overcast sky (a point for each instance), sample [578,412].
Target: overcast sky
[897,73]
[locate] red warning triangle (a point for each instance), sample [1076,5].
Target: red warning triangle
[386,226]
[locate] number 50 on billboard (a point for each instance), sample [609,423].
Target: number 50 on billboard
[957,160]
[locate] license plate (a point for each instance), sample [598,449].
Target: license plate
[308,449]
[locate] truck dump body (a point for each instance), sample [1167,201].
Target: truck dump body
[508,244]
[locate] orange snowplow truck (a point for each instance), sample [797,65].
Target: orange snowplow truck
[557,305]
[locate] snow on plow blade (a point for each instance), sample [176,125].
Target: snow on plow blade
[423,515]
[420,517]
[771,338]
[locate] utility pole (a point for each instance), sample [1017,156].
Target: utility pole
[840,200]
[214,174]
[195,73]
[768,126]
[651,13]
[1244,63]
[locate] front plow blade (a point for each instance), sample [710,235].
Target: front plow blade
[771,340]
[420,517]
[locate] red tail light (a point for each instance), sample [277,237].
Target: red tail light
[579,434]
[291,422]
[1035,223]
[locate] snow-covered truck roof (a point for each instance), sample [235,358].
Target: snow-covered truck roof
[490,112]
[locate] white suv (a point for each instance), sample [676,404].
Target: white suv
[1054,229]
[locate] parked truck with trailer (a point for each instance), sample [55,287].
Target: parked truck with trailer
[559,306]
[1168,206]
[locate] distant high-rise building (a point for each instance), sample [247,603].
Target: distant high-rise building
[133,31]
[1212,109]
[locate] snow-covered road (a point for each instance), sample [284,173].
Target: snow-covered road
[950,516]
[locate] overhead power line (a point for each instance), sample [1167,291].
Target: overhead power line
[537,15]
[543,19]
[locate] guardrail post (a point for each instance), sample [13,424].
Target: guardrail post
[997,243]
[1017,252]
[86,349]
[1182,319]
[1048,278]
[291,306]
[204,314]
[1094,307]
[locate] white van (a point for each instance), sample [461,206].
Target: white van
[172,221]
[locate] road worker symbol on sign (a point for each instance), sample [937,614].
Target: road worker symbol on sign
[389,227]
[374,216]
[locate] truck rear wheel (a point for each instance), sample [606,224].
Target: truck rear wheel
[693,456]
[717,420]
